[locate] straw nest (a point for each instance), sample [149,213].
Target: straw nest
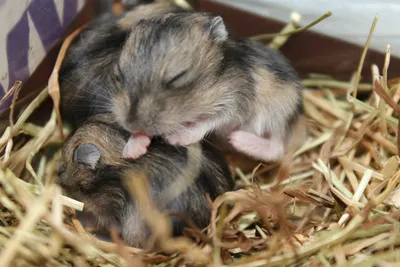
[335,201]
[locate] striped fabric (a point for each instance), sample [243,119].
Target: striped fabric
[29,28]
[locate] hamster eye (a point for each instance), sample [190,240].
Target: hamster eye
[174,81]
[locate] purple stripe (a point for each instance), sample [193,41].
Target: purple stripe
[17,51]
[8,101]
[17,47]
[2,93]
[69,12]
[47,23]
[44,16]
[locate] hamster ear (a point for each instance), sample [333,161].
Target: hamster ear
[87,156]
[217,29]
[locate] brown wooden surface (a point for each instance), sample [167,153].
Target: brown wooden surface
[308,51]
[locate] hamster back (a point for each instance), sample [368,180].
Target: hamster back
[92,171]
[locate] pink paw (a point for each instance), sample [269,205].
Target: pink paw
[136,146]
[256,146]
[242,141]
[181,140]
[173,139]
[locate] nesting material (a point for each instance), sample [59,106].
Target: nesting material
[335,201]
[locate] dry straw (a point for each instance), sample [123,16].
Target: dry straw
[335,201]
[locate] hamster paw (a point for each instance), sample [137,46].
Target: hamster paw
[136,146]
[172,139]
[194,135]
[256,146]
[181,140]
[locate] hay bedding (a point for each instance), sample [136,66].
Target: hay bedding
[335,201]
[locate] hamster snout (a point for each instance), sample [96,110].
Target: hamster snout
[92,171]
[172,61]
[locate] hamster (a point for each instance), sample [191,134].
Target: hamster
[181,76]
[86,88]
[91,170]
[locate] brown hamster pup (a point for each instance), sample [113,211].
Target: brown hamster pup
[181,76]
[86,88]
[92,170]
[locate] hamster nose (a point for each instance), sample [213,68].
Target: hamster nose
[133,127]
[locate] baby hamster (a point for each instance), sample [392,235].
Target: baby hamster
[86,88]
[91,170]
[181,76]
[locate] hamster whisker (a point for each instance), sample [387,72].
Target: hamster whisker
[90,101]
[103,80]
[209,142]
[88,90]
[99,108]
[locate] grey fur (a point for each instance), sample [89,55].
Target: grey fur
[160,69]
[104,195]
[86,86]
[218,29]
[219,79]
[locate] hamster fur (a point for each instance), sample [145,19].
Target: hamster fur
[86,88]
[181,76]
[91,170]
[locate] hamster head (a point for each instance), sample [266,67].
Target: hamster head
[167,73]
[79,173]
[90,166]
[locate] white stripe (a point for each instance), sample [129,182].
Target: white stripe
[36,50]
[10,14]
[81,3]
[60,8]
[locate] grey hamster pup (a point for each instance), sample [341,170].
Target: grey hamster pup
[86,88]
[181,76]
[91,170]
